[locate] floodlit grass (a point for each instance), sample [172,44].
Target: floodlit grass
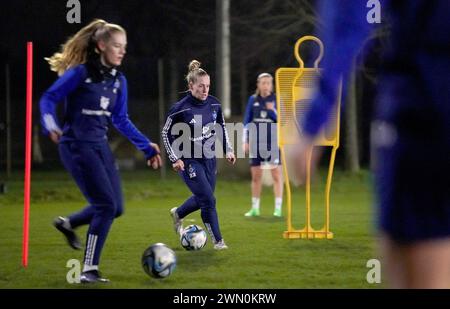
[258,256]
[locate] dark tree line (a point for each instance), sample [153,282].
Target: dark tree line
[262,38]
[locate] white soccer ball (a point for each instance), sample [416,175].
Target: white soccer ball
[159,261]
[193,237]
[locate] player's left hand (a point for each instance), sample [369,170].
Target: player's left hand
[155,162]
[231,157]
[55,136]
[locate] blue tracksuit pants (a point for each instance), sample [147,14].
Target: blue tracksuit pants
[93,168]
[200,176]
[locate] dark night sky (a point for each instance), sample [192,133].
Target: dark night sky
[172,29]
[44,23]
[177,30]
[152,26]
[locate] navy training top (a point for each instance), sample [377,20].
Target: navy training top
[263,119]
[94,95]
[191,129]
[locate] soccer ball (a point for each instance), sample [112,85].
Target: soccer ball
[193,237]
[159,261]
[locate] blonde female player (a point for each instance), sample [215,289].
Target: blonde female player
[260,141]
[196,164]
[95,94]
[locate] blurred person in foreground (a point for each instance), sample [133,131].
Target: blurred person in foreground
[410,130]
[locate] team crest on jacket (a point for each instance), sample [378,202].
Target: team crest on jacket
[214,115]
[104,102]
[191,171]
[263,114]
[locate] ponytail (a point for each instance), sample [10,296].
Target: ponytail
[194,72]
[78,48]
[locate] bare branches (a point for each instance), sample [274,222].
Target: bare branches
[272,24]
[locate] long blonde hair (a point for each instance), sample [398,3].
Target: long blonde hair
[77,48]
[194,72]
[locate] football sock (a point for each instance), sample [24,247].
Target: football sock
[255,203]
[278,203]
[89,267]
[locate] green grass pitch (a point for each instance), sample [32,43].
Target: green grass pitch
[258,256]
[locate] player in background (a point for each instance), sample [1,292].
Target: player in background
[259,140]
[95,94]
[410,131]
[201,114]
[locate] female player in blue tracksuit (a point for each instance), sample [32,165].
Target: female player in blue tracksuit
[95,94]
[260,141]
[410,132]
[200,116]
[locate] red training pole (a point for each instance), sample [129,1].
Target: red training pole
[28,124]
